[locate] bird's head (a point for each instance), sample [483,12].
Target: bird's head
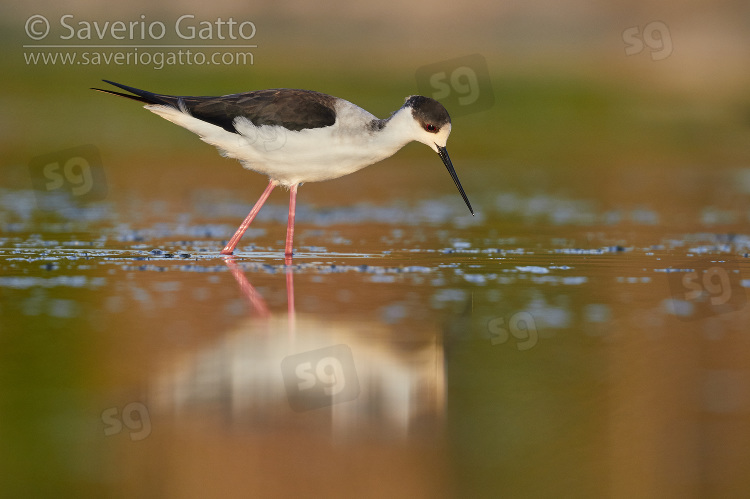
[431,121]
[432,126]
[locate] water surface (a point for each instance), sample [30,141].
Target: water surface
[580,341]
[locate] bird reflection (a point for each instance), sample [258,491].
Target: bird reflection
[340,376]
[257,303]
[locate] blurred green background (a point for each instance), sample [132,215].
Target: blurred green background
[565,92]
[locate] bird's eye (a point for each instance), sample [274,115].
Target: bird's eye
[430,127]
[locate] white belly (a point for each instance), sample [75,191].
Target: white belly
[292,157]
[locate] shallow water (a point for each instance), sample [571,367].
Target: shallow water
[585,343]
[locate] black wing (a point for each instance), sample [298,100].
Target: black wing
[292,109]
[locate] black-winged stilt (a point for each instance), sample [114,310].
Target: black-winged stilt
[296,136]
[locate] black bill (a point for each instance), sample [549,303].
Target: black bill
[443,153]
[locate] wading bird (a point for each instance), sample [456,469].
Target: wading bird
[295,136]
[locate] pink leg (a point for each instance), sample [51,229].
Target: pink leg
[229,248]
[290,222]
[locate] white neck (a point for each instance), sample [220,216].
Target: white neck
[396,133]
